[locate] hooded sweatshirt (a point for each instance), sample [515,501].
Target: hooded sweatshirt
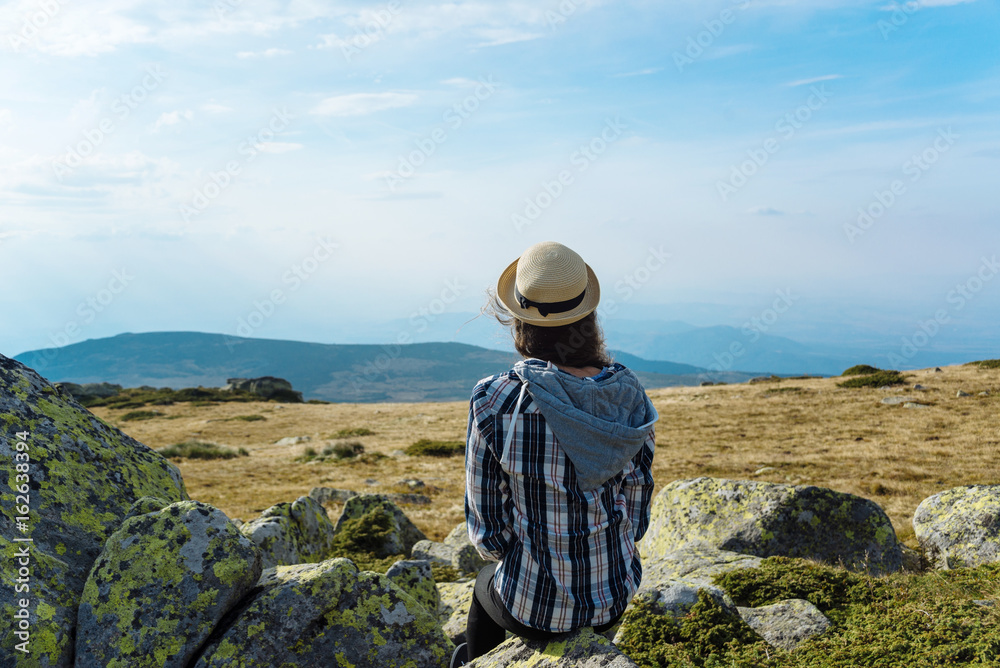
[558,490]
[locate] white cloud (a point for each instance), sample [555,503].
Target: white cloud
[361,104]
[267,53]
[214,108]
[806,82]
[172,118]
[765,211]
[278,147]
[6,117]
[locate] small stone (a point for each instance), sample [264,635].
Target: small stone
[984,393]
[960,393]
[913,404]
[764,469]
[894,401]
[937,369]
[786,624]
[412,483]
[293,440]
[918,386]
[985,603]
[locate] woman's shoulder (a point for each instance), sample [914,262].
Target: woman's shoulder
[494,390]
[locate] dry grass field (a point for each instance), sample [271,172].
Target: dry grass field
[792,431]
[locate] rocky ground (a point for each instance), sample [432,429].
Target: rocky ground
[126,569]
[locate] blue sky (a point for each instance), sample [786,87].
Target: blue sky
[182,166]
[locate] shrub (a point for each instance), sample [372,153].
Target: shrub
[878,379]
[201,450]
[140,415]
[860,370]
[344,450]
[986,364]
[307,455]
[248,418]
[318,401]
[428,448]
[366,533]
[354,431]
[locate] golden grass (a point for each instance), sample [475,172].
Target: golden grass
[818,434]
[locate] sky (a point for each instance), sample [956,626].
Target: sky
[301,170]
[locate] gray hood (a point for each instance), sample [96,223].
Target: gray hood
[601,425]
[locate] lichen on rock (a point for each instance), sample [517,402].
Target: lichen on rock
[161,584]
[299,532]
[415,578]
[580,649]
[328,614]
[960,527]
[767,519]
[73,508]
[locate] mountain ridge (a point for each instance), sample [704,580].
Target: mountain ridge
[435,371]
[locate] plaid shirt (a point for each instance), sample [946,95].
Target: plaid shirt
[567,557]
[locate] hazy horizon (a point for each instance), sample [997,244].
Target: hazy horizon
[309,171]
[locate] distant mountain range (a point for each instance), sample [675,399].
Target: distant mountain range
[332,372]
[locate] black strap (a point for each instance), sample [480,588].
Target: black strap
[545,308]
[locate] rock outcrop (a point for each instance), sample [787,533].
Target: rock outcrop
[299,532]
[960,527]
[266,387]
[161,585]
[81,477]
[329,614]
[767,519]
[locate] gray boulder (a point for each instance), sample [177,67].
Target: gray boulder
[160,586]
[768,519]
[960,527]
[82,477]
[581,649]
[266,387]
[415,578]
[299,532]
[456,551]
[372,523]
[696,563]
[328,614]
[786,624]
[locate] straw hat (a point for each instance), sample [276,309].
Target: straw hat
[549,285]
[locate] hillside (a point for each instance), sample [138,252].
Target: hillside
[331,372]
[798,431]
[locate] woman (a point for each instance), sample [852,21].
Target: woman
[558,464]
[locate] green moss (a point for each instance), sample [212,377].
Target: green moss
[428,448]
[367,533]
[444,572]
[879,379]
[912,620]
[247,418]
